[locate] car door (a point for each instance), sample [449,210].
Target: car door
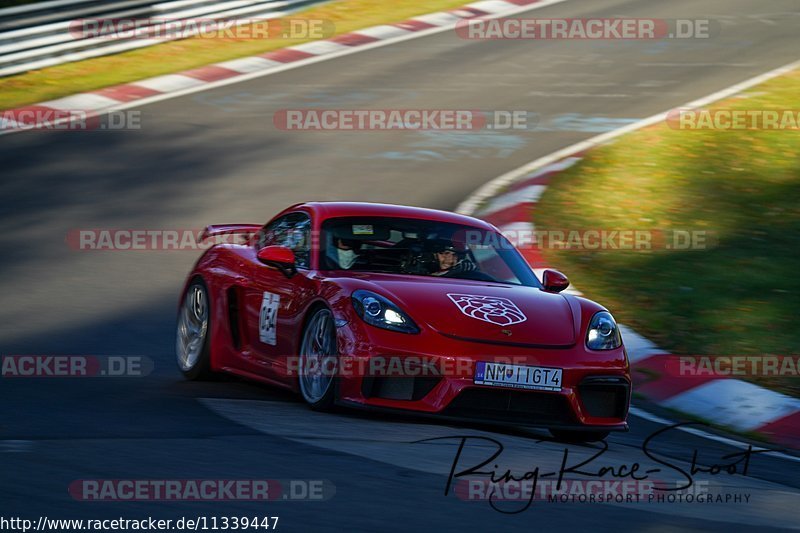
[273,301]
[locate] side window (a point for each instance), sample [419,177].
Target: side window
[292,231]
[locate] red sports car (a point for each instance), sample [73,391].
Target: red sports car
[406,309]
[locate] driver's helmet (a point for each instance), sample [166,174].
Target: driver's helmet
[353,244]
[444,245]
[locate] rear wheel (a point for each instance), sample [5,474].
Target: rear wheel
[194,323]
[318,361]
[565,435]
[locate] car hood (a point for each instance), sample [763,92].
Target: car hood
[482,312]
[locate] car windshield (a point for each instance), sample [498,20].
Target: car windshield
[423,248]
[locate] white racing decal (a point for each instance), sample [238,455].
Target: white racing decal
[267,318]
[493,309]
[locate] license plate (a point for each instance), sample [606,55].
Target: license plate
[518,376]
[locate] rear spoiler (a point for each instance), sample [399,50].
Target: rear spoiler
[229,229]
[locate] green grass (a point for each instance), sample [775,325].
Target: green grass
[92,74]
[742,295]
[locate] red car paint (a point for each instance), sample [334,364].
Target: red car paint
[552,336]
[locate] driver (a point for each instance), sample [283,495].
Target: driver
[447,259]
[346,252]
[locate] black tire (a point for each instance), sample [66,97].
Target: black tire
[576,437]
[193,348]
[319,328]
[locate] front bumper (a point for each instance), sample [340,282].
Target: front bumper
[595,391]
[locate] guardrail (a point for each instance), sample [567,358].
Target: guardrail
[40,35]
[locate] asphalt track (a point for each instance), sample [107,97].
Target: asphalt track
[215,156]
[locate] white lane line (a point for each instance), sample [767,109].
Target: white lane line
[348,50]
[490,188]
[641,413]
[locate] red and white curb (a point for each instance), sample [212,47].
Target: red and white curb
[94,103]
[509,202]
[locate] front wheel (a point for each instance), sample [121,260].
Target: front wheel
[569,436]
[318,361]
[194,323]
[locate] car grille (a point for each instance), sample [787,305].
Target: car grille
[398,388]
[605,397]
[523,407]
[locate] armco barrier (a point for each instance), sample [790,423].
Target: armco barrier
[40,35]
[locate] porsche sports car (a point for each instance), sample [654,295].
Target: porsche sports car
[406,309]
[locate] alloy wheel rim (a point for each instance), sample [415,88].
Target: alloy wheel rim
[318,357]
[192,327]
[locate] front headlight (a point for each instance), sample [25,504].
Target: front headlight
[377,311]
[603,332]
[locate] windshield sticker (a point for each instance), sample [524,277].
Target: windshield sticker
[363,229]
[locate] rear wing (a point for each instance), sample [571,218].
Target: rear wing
[220,231]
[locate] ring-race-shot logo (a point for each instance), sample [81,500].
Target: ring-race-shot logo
[492,309]
[595,491]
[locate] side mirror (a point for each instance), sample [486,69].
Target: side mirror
[279,257]
[554,281]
